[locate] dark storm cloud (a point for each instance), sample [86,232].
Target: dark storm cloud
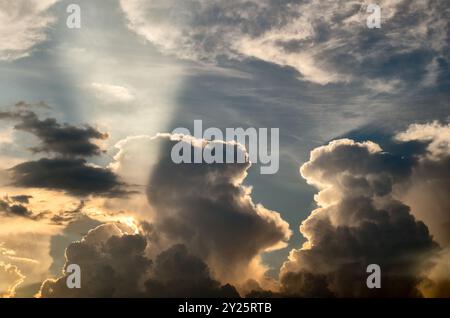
[113,264]
[74,176]
[357,223]
[62,139]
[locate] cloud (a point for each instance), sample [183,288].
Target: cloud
[113,264]
[6,136]
[135,158]
[68,216]
[325,41]
[434,134]
[427,195]
[207,208]
[177,273]
[358,222]
[437,281]
[74,176]
[22,198]
[14,209]
[62,139]
[24,245]
[77,227]
[22,25]
[112,93]
[427,190]
[206,231]
[18,206]
[68,169]
[10,278]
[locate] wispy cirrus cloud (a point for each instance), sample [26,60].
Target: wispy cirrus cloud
[23,24]
[326,42]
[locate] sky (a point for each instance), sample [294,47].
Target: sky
[86,116]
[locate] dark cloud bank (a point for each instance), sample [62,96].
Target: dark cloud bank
[74,176]
[67,170]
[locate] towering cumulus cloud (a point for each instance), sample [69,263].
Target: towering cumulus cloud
[207,208]
[325,41]
[22,26]
[358,222]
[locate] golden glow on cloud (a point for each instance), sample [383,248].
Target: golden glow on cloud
[10,278]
